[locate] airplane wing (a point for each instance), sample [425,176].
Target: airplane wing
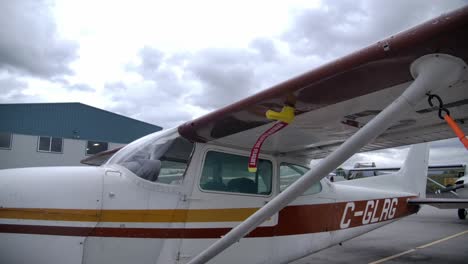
[100,158]
[333,101]
[441,203]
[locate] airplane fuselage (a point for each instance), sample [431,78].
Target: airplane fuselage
[110,215]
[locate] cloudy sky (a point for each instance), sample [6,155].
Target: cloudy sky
[166,62]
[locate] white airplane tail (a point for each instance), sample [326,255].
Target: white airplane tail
[411,178]
[413,174]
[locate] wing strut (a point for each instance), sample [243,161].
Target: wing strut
[431,72]
[441,186]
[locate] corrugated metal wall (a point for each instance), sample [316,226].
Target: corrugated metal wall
[71,120]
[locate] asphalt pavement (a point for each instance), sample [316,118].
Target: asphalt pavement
[431,236]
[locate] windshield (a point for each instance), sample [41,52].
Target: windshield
[160,157]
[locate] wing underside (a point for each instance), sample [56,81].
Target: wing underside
[335,100]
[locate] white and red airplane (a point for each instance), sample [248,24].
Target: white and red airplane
[197,193]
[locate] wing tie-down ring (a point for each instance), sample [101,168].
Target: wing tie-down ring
[441,104]
[452,124]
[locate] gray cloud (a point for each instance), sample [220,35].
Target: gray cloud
[212,77]
[340,27]
[448,151]
[322,31]
[151,60]
[9,84]
[158,98]
[140,102]
[114,87]
[266,48]
[225,76]
[80,87]
[160,71]
[29,43]
[12,91]
[164,115]
[208,79]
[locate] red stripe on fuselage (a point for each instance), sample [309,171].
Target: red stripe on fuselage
[293,220]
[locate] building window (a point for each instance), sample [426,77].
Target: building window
[5,140]
[50,144]
[94,147]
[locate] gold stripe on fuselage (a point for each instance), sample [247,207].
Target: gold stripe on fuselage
[141,216]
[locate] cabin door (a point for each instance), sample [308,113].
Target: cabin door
[226,193]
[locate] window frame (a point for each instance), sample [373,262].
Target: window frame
[273,190]
[50,145]
[11,141]
[86,147]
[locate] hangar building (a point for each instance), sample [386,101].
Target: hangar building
[62,134]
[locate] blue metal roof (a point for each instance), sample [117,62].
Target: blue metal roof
[71,120]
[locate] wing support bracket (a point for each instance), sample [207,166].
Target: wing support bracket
[431,72]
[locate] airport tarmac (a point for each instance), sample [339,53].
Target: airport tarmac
[431,236]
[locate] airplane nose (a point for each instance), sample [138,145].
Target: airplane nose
[50,187]
[46,213]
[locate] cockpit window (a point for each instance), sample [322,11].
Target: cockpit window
[228,173]
[290,173]
[160,157]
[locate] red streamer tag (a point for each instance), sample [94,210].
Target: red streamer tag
[255,152]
